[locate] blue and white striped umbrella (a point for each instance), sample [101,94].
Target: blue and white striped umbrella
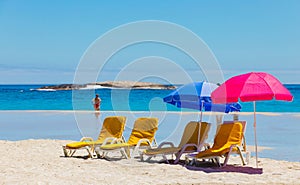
[197,96]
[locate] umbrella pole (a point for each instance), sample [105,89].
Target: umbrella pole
[200,122]
[254,125]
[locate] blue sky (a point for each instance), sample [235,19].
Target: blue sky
[43,41]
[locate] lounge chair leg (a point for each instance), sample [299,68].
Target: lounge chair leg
[166,159]
[248,154]
[216,161]
[97,154]
[186,161]
[104,154]
[226,160]
[192,162]
[135,151]
[177,159]
[68,152]
[142,157]
[148,159]
[189,162]
[125,152]
[241,156]
[65,151]
[90,153]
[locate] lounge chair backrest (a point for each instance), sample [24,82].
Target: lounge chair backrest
[113,126]
[190,134]
[244,124]
[228,134]
[143,128]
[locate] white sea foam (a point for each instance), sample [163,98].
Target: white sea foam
[42,90]
[94,87]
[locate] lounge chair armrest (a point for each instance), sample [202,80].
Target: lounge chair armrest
[165,143]
[189,145]
[137,147]
[110,140]
[183,150]
[119,140]
[143,140]
[234,145]
[86,139]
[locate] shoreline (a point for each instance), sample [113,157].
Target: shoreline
[41,162]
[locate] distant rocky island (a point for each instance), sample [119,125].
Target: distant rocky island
[109,84]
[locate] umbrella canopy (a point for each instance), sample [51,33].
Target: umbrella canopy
[254,86]
[192,92]
[197,96]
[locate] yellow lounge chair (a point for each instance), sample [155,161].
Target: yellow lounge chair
[188,143]
[243,145]
[142,136]
[112,130]
[227,139]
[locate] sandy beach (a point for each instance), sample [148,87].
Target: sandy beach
[42,162]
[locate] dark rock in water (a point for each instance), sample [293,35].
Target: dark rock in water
[110,84]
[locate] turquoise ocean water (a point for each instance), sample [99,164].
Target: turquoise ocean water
[25,97]
[29,114]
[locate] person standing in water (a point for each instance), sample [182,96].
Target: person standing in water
[96,102]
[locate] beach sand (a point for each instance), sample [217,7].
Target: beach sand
[42,162]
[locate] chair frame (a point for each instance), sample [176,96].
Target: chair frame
[181,150]
[243,147]
[125,150]
[190,159]
[69,152]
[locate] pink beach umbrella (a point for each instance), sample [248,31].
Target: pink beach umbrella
[254,86]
